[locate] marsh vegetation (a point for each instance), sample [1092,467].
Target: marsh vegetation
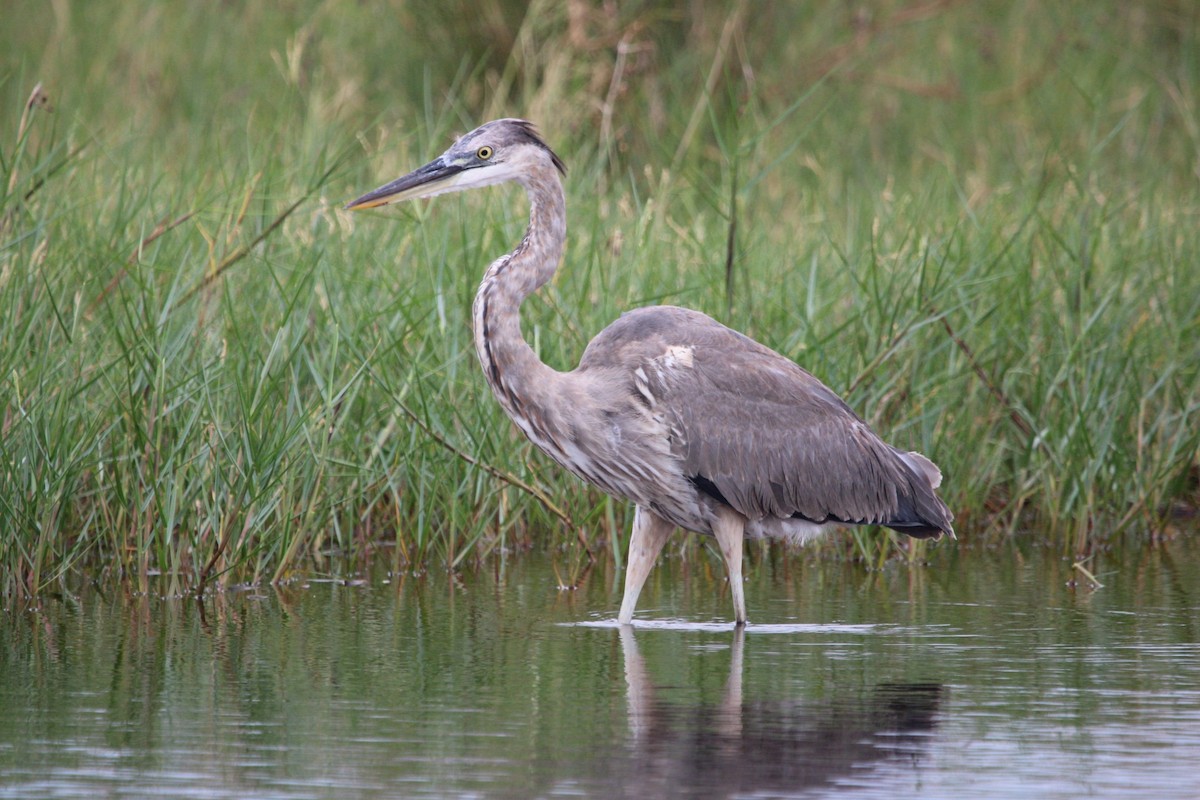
[979,222]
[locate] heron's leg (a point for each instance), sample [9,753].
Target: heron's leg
[650,533]
[729,529]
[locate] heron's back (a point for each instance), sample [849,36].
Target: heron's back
[748,428]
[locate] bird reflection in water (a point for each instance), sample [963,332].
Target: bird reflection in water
[779,748]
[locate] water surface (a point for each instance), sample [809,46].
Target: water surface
[979,674]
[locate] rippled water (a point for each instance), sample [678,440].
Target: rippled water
[980,674]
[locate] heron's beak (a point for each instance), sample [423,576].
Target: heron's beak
[435,177]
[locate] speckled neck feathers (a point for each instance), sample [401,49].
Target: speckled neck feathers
[512,369]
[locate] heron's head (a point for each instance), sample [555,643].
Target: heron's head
[503,150]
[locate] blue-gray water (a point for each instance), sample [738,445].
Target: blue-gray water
[981,674]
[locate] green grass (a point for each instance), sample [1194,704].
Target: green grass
[979,222]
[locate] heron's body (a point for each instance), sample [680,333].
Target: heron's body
[697,425]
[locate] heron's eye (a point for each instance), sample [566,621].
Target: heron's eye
[484,153]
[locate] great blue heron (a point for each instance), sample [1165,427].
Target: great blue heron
[699,426]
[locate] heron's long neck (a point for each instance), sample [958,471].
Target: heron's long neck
[512,368]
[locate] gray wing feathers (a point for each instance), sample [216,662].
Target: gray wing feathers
[923,466]
[785,456]
[766,437]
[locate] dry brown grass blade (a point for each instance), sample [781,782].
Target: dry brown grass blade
[495,472]
[161,228]
[732,23]
[37,99]
[239,253]
[992,387]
